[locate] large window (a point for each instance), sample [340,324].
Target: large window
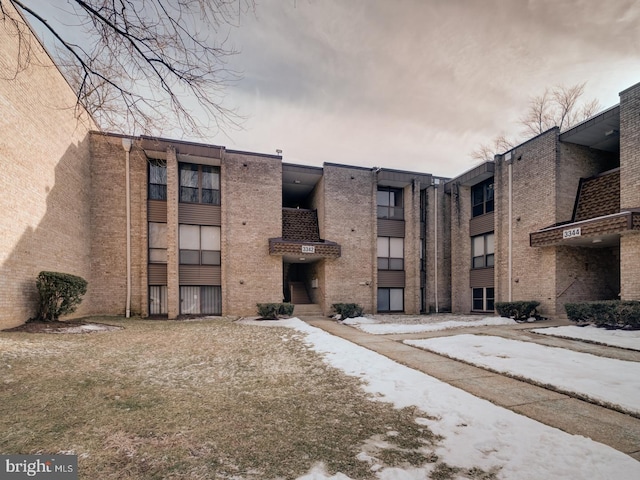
[390,253]
[158,300]
[199,245]
[157,242]
[483,299]
[391,299]
[482,198]
[200,300]
[390,203]
[157,180]
[482,250]
[199,184]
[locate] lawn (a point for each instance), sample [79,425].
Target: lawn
[198,399]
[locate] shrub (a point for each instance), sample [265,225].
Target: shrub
[610,314]
[348,310]
[270,311]
[60,294]
[519,311]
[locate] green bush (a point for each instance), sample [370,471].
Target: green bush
[271,311]
[519,311]
[348,310]
[60,294]
[612,314]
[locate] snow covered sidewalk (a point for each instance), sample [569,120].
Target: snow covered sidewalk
[610,381]
[476,432]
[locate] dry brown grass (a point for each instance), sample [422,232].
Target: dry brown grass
[202,399]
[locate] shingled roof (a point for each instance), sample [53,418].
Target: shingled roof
[598,196]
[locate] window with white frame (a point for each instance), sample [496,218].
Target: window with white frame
[199,245]
[482,250]
[390,253]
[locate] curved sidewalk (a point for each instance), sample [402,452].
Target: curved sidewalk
[559,410]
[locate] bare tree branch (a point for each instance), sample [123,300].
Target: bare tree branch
[555,107]
[136,65]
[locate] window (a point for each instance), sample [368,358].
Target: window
[391,299]
[157,242]
[157,180]
[200,300]
[482,251]
[389,202]
[482,198]
[199,184]
[390,253]
[158,300]
[199,245]
[483,299]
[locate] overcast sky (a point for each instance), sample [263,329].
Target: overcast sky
[416,84]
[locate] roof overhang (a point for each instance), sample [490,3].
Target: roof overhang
[601,132]
[474,176]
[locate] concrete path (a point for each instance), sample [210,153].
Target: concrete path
[618,430]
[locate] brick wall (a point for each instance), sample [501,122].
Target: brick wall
[45,193]
[441,211]
[108,286]
[534,207]
[350,220]
[251,192]
[460,205]
[630,189]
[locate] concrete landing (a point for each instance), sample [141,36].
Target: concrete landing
[558,410]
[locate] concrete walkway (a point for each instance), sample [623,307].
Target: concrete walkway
[618,430]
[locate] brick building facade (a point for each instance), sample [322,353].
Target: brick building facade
[166,228]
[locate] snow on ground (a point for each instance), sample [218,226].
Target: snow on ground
[375,327]
[605,379]
[629,339]
[476,432]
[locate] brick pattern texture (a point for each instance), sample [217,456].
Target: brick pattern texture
[44,183]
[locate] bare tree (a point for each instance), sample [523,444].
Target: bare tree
[555,107]
[140,65]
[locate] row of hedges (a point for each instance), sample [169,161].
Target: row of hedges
[611,314]
[271,311]
[519,311]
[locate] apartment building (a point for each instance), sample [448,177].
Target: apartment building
[556,219]
[214,231]
[165,228]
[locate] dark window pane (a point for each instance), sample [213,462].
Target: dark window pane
[490,260]
[489,192]
[210,257]
[157,174]
[383,212]
[157,192]
[490,304]
[396,264]
[489,206]
[396,213]
[383,263]
[383,299]
[211,197]
[478,262]
[188,194]
[477,195]
[478,210]
[383,198]
[190,257]
[477,304]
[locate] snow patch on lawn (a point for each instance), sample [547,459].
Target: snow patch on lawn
[476,432]
[607,380]
[629,339]
[371,326]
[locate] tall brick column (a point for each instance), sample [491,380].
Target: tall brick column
[630,189]
[173,283]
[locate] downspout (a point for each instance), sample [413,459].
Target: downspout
[126,144]
[435,233]
[510,213]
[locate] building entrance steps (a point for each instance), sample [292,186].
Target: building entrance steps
[559,410]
